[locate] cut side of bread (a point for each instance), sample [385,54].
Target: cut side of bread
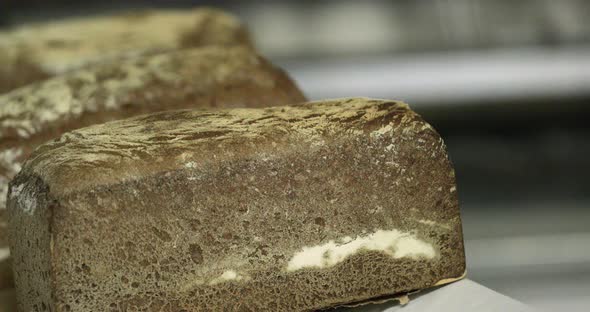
[292,208]
[207,78]
[34,52]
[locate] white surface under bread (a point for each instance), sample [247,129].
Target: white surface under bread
[464,295]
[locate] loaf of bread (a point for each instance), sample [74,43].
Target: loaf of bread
[34,52]
[210,77]
[291,208]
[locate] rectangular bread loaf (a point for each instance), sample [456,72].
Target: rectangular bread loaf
[210,77]
[292,208]
[33,52]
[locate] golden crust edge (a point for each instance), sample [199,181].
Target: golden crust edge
[404,298]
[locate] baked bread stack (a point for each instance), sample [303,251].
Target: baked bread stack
[276,205]
[218,74]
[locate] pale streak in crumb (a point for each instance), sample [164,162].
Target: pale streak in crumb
[190,164]
[433,223]
[394,243]
[228,275]
[427,222]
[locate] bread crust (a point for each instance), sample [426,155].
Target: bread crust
[35,52]
[292,208]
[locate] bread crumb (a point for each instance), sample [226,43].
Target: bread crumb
[393,243]
[228,275]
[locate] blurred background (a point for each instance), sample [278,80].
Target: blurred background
[506,83]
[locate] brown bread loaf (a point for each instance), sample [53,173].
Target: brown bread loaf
[291,208]
[34,52]
[210,77]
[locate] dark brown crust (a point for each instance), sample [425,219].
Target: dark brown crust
[151,216]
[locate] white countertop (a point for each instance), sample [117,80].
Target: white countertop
[464,295]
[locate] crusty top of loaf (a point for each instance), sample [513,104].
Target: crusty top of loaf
[174,140]
[209,77]
[73,43]
[29,110]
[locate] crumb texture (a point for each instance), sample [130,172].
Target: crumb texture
[292,208]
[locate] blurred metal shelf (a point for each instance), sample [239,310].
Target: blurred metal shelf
[451,78]
[535,251]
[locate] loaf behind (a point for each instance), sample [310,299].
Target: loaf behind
[35,52]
